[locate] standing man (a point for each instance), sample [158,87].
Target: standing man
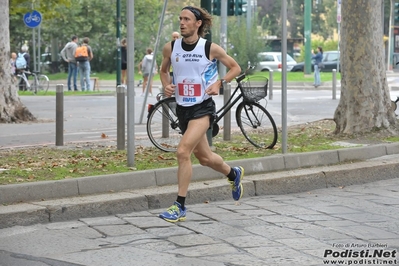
[145,70]
[84,66]
[175,36]
[195,76]
[68,54]
[124,60]
[22,64]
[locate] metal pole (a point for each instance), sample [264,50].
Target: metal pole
[38,48]
[227,117]
[284,76]
[34,49]
[38,44]
[59,115]
[118,42]
[339,17]
[334,84]
[249,17]
[339,39]
[153,61]
[223,34]
[391,36]
[271,84]
[308,31]
[120,117]
[130,84]
[34,43]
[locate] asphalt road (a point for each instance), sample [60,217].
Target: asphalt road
[86,118]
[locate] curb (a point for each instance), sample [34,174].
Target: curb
[53,201]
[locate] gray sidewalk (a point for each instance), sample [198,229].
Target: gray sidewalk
[346,225]
[51,201]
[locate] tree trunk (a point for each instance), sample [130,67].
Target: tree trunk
[11,107]
[365,102]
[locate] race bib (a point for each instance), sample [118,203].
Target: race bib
[188,89]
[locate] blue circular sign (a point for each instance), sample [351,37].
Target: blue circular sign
[32,20]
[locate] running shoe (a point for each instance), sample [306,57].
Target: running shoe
[174,213]
[236,185]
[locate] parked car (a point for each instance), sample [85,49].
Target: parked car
[272,61]
[330,60]
[47,66]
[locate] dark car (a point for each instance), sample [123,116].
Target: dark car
[330,60]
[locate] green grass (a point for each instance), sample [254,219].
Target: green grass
[72,161]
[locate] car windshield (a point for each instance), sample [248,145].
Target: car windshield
[289,58]
[332,57]
[265,57]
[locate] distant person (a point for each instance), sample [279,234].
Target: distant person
[124,60]
[12,64]
[68,54]
[145,70]
[318,57]
[175,36]
[84,64]
[22,63]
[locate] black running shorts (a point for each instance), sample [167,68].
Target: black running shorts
[185,114]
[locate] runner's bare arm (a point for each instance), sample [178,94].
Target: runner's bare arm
[220,54]
[164,73]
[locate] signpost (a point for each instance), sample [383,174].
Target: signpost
[32,20]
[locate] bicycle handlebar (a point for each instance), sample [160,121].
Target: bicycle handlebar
[242,76]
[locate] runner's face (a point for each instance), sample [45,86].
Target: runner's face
[188,23]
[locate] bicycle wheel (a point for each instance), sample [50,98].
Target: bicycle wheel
[163,125]
[34,85]
[257,125]
[43,84]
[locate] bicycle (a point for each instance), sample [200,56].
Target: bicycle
[254,121]
[40,81]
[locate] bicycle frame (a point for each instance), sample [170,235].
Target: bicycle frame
[35,81]
[25,78]
[227,106]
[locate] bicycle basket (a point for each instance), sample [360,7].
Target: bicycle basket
[254,88]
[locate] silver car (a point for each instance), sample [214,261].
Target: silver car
[272,61]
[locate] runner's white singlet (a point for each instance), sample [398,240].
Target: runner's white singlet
[193,73]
